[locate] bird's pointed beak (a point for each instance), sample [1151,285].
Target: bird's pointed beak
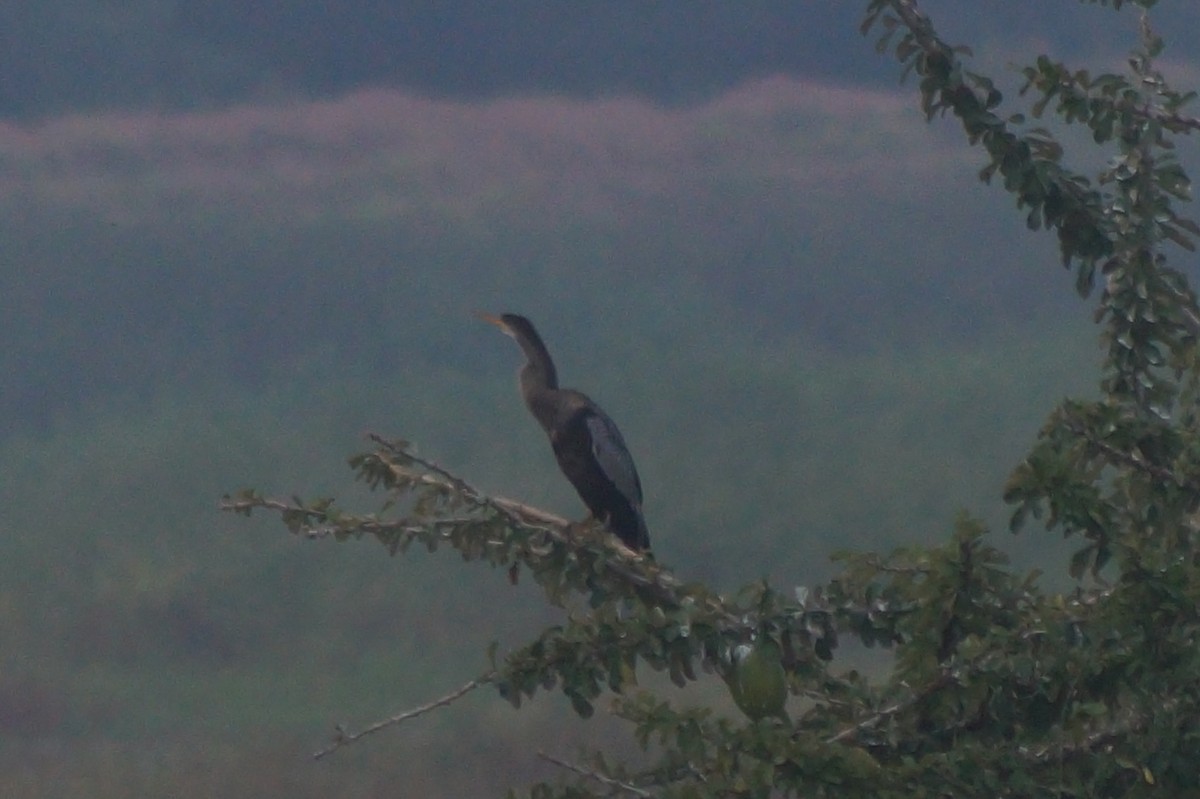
[495,320]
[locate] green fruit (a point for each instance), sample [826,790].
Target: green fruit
[757,681]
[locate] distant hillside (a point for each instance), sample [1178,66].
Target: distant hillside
[163,250]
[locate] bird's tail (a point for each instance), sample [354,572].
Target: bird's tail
[630,526]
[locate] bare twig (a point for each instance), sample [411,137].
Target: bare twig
[341,738]
[514,511]
[871,721]
[592,774]
[245,505]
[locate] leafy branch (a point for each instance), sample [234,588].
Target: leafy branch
[637,609]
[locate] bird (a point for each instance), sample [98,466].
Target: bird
[587,444]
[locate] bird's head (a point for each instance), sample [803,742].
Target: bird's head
[510,324]
[539,371]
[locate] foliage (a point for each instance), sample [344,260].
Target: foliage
[998,687]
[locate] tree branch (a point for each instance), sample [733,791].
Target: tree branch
[944,679]
[604,779]
[632,568]
[1120,457]
[341,738]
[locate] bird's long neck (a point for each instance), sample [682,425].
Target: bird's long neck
[539,373]
[539,381]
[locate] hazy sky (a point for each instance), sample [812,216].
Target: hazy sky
[784,133]
[78,54]
[377,117]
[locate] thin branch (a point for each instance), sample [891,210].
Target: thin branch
[592,774]
[1118,456]
[945,679]
[1135,724]
[247,505]
[341,738]
[871,721]
[516,512]
[1173,120]
[377,528]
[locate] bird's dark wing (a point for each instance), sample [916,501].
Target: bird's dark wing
[593,456]
[612,455]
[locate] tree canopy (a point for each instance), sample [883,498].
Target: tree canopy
[997,686]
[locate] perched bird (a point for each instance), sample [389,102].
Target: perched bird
[586,442]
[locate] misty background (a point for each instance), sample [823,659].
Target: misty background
[237,236]
[70,55]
